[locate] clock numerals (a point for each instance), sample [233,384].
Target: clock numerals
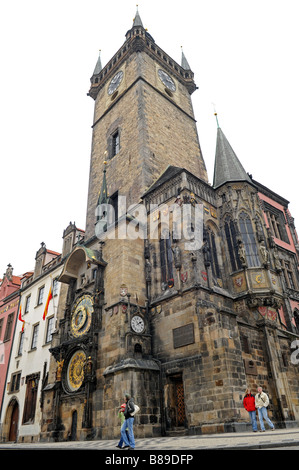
[137,324]
[166,80]
[115,82]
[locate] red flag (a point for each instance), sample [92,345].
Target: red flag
[50,296]
[20,317]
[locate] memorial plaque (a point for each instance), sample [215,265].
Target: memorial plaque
[183,335]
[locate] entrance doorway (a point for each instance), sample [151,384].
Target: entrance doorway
[175,402]
[74,426]
[14,421]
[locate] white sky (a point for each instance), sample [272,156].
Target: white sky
[244,55]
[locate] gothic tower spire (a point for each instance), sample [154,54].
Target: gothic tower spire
[227,167]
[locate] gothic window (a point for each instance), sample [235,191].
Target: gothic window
[231,239]
[276,220]
[249,240]
[288,274]
[166,258]
[211,241]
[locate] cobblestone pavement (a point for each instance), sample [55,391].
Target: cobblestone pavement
[236,441]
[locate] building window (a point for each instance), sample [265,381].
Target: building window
[249,241]
[40,295]
[34,336]
[30,399]
[276,220]
[27,304]
[15,382]
[245,344]
[288,274]
[21,341]
[8,329]
[50,329]
[1,326]
[55,286]
[115,144]
[166,260]
[231,239]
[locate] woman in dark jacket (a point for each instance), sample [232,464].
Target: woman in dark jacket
[249,405]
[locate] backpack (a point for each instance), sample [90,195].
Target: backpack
[136,410]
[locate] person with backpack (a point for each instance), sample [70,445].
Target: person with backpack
[249,405]
[128,438]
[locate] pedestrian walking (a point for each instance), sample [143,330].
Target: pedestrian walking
[249,405]
[261,403]
[122,420]
[128,438]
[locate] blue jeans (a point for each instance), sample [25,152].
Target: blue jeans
[252,415]
[121,441]
[128,438]
[263,414]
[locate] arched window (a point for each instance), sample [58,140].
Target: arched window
[231,239]
[249,240]
[166,259]
[209,235]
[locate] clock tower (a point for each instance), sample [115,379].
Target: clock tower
[143,120]
[183,328]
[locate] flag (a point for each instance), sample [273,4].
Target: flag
[50,296]
[20,317]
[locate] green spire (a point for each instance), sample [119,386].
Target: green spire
[103,196]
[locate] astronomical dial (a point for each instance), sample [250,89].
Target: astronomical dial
[115,82]
[137,324]
[75,371]
[81,316]
[166,80]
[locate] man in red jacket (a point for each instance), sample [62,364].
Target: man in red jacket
[249,405]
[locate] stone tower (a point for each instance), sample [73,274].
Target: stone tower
[183,327]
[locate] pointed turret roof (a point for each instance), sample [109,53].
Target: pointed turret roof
[137,20]
[227,165]
[98,66]
[184,62]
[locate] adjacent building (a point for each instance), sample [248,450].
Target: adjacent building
[35,308]
[9,304]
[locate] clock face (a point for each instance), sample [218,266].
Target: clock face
[137,324]
[81,316]
[115,82]
[166,80]
[75,371]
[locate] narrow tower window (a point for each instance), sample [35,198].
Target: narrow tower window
[115,143]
